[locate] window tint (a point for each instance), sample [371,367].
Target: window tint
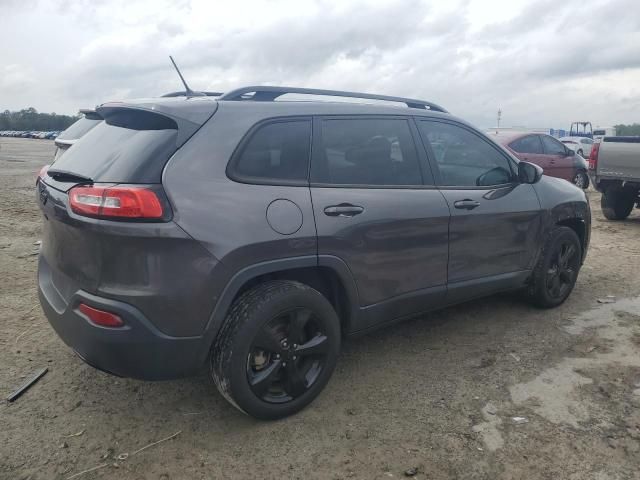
[552,146]
[464,158]
[108,153]
[587,141]
[366,151]
[276,151]
[528,144]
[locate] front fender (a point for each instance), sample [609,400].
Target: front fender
[564,203]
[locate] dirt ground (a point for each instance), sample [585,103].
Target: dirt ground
[441,394]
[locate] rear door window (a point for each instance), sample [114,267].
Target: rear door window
[528,144]
[276,152]
[366,152]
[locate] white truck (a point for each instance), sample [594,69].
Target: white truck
[614,168]
[600,132]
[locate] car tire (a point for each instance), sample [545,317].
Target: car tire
[557,269]
[581,180]
[276,349]
[617,202]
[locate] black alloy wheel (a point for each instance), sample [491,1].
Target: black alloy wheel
[277,349]
[556,272]
[287,356]
[562,272]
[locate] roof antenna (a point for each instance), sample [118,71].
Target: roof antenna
[188,91]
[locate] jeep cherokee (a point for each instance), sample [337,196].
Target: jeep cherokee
[250,234]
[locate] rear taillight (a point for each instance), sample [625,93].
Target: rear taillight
[116,202]
[101,317]
[593,157]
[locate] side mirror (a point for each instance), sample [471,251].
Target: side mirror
[529,172]
[570,153]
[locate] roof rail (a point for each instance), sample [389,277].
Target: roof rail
[186,94]
[268,94]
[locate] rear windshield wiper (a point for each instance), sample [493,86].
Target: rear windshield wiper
[62,176]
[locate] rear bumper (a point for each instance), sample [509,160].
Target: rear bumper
[138,350]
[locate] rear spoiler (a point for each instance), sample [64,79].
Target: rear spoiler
[91,114]
[186,115]
[64,143]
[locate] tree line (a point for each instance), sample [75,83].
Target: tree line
[29,119]
[628,130]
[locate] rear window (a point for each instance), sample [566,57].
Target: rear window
[79,128]
[112,152]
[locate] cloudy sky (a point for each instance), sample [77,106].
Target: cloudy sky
[543,62]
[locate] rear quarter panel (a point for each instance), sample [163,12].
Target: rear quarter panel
[155,267]
[229,218]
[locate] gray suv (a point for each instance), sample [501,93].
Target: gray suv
[250,234]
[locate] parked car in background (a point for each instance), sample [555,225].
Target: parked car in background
[183,233]
[581,145]
[614,167]
[67,138]
[555,158]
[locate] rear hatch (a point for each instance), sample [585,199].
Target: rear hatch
[84,245]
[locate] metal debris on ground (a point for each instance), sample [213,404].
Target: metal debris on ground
[519,420]
[93,469]
[411,472]
[121,457]
[27,384]
[156,443]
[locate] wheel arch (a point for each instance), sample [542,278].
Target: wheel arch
[327,274]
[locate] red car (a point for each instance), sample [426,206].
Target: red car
[552,155]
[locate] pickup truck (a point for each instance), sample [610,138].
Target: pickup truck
[614,168]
